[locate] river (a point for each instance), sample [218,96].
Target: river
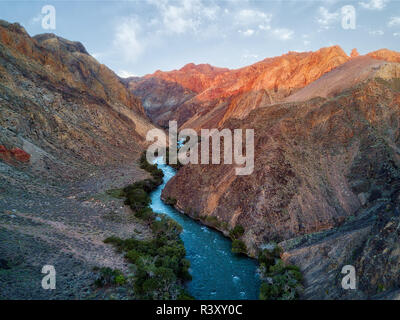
[217,272]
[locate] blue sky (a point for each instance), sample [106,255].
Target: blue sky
[139,37]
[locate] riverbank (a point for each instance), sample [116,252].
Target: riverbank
[158,267]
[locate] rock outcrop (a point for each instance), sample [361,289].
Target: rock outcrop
[354,53]
[369,242]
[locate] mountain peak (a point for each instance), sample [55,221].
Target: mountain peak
[14,27]
[195,77]
[385,54]
[51,41]
[354,53]
[202,68]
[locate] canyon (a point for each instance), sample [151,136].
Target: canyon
[326,155]
[325,186]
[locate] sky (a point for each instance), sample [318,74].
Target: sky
[135,38]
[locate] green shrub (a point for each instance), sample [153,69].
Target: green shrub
[156,173]
[137,199]
[114,240]
[107,276]
[120,280]
[170,201]
[283,287]
[277,251]
[238,246]
[236,232]
[278,267]
[266,259]
[166,226]
[160,265]
[284,280]
[184,270]
[132,256]
[268,292]
[213,221]
[145,214]
[159,262]
[116,193]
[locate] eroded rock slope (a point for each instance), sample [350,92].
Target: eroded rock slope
[69,131]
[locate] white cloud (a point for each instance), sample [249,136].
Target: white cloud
[374,4]
[326,18]
[177,19]
[283,33]
[249,56]
[126,39]
[185,15]
[126,74]
[253,18]
[394,21]
[211,12]
[247,33]
[37,18]
[396,34]
[249,17]
[376,33]
[264,27]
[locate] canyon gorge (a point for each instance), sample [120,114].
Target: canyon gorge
[325,186]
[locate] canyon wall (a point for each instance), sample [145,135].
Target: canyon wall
[316,163]
[63,107]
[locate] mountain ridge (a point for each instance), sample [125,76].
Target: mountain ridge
[235,92]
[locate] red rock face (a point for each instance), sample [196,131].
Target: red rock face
[220,94]
[14,154]
[289,71]
[206,97]
[196,78]
[20,155]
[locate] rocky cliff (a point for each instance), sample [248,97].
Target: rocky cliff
[63,107]
[324,157]
[69,131]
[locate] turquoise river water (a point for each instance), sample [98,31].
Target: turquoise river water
[217,272]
